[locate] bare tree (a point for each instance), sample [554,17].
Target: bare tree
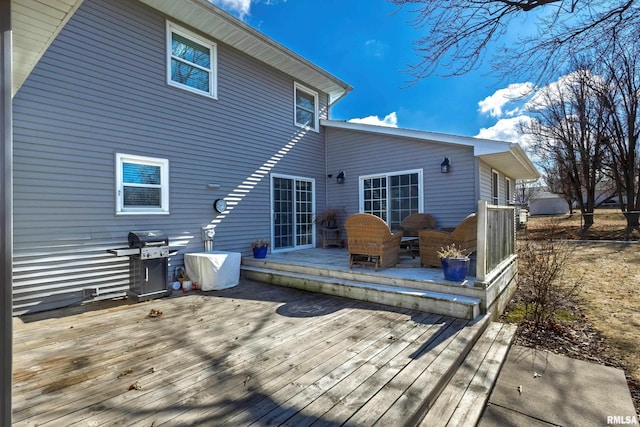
[620,92]
[526,189]
[460,31]
[558,181]
[569,127]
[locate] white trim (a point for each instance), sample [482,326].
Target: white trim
[508,195]
[225,28]
[495,197]
[316,121]
[172,28]
[163,209]
[386,175]
[272,211]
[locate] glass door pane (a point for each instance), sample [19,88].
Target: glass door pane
[404,197]
[304,213]
[293,201]
[283,213]
[375,196]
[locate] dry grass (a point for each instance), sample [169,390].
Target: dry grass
[610,275]
[609,296]
[609,224]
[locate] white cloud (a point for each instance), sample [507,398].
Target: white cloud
[507,130]
[493,104]
[238,7]
[390,120]
[560,89]
[376,48]
[242,8]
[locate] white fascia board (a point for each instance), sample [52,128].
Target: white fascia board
[400,132]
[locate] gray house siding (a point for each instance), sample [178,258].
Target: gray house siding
[485,185]
[100,90]
[485,182]
[448,197]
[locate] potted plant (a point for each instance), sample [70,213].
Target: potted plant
[455,262]
[328,218]
[259,248]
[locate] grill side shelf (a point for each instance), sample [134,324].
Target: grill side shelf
[124,251]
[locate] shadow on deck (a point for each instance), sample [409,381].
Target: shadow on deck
[254,353]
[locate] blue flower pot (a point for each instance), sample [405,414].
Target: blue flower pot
[455,269]
[260,252]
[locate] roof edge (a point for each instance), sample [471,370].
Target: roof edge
[401,132]
[263,47]
[481,147]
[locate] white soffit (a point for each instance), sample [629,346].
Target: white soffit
[221,26]
[514,163]
[35,24]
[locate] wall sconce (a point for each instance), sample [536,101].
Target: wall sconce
[444,166]
[340,178]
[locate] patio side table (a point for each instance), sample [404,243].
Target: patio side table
[408,244]
[331,237]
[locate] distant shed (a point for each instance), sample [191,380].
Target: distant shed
[547,203]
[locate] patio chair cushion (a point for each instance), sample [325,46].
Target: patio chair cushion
[369,239]
[431,241]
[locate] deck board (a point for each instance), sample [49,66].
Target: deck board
[448,401]
[255,353]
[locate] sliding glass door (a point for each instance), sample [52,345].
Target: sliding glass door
[292,201]
[392,196]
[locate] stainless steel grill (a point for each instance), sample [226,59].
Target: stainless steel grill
[148,254]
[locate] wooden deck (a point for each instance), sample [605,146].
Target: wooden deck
[255,353]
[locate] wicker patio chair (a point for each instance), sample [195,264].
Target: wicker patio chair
[412,224]
[431,241]
[370,241]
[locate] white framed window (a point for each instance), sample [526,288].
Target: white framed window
[495,191]
[292,208]
[305,107]
[191,62]
[392,196]
[508,191]
[142,185]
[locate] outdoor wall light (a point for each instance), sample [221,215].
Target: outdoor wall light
[444,166]
[340,178]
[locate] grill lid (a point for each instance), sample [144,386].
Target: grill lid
[140,239]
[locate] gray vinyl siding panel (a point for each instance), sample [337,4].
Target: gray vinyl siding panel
[100,90]
[448,197]
[485,182]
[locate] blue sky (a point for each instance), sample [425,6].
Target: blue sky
[369,44]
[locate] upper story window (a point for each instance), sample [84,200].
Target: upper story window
[142,185]
[306,107]
[191,62]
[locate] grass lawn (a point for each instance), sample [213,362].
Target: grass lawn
[605,324]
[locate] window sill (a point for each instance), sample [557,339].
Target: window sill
[143,213]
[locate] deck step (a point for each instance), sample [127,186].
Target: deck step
[368,275]
[464,397]
[433,302]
